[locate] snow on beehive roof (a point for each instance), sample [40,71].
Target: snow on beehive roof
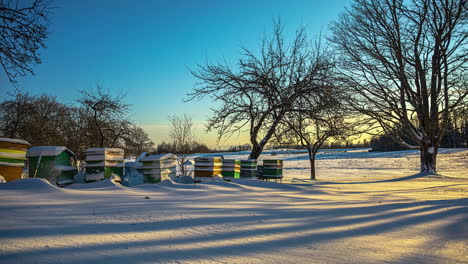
[105,150]
[159,157]
[30,184]
[15,141]
[47,151]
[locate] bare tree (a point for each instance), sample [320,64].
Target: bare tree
[318,120]
[43,120]
[405,63]
[137,141]
[106,115]
[45,125]
[261,89]
[23,31]
[14,112]
[182,135]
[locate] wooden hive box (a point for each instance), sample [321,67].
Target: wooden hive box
[157,168]
[248,168]
[52,163]
[272,167]
[101,163]
[12,157]
[231,169]
[208,166]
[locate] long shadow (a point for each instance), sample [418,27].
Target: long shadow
[406,178]
[307,225]
[360,214]
[307,231]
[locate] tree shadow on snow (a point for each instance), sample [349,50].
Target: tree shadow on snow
[213,230]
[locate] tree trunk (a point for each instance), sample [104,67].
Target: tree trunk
[312,163]
[257,148]
[256,151]
[428,159]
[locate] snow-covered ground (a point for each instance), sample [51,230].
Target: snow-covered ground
[364,208]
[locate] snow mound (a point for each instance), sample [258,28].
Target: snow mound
[184,179]
[107,183]
[166,182]
[266,184]
[132,178]
[30,184]
[171,184]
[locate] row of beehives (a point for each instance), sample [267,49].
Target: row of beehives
[54,163]
[209,167]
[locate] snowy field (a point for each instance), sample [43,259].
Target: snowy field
[364,208]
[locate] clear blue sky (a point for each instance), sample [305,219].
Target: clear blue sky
[144,48]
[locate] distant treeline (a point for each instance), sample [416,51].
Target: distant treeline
[192,147]
[456,136]
[331,145]
[97,118]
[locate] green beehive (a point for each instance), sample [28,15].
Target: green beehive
[158,168]
[52,163]
[231,169]
[101,163]
[272,169]
[248,169]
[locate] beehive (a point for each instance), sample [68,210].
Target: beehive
[101,163]
[52,163]
[272,169]
[12,157]
[231,169]
[248,169]
[157,168]
[207,168]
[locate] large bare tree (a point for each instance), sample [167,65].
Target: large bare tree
[23,31]
[405,63]
[256,93]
